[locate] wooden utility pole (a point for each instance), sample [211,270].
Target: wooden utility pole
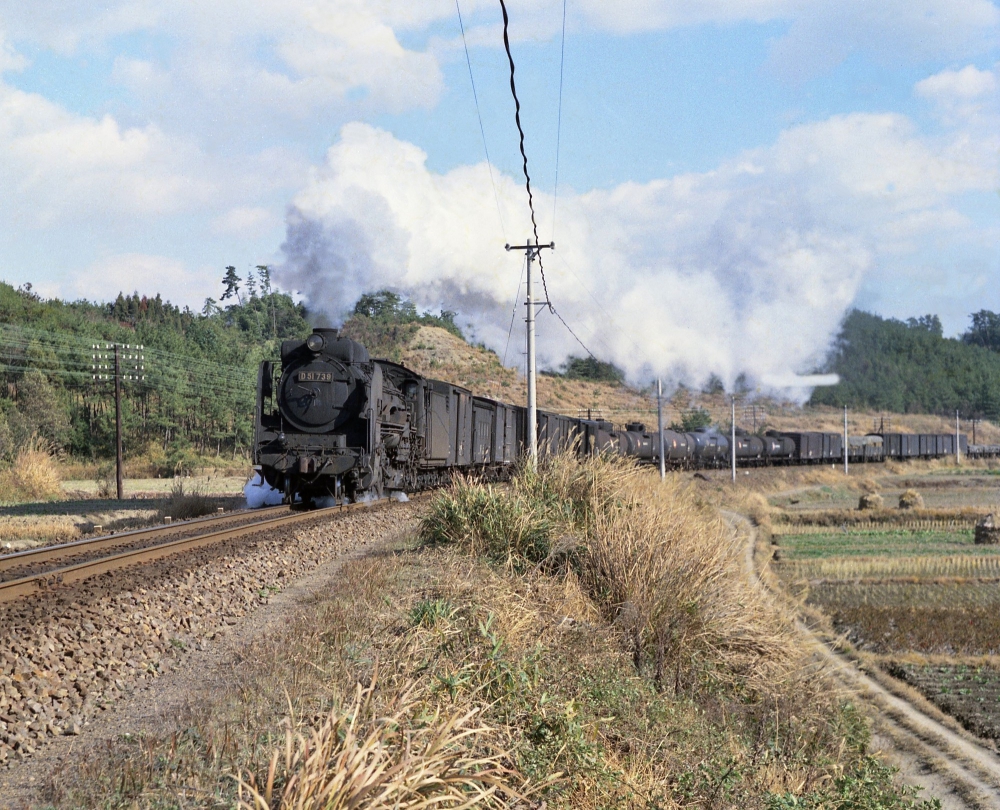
[531,251]
[659,426]
[118,425]
[134,369]
[958,451]
[845,441]
[733,439]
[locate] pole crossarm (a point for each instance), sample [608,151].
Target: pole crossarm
[532,248]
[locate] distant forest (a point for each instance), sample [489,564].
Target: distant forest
[910,367]
[188,392]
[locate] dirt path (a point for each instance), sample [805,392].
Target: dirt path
[948,764]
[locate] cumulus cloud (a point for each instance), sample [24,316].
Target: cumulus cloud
[745,269]
[54,164]
[967,97]
[245,220]
[286,61]
[969,82]
[145,274]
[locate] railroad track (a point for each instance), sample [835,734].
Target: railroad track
[40,570]
[949,763]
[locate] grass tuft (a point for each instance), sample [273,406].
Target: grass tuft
[366,756]
[184,505]
[33,476]
[654,561]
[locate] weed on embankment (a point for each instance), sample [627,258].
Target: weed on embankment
[583,638]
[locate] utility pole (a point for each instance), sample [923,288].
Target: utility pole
[845,441]
[118,425]
[733,437]
[659,425]
[531,251]
[134,371]
[958,446]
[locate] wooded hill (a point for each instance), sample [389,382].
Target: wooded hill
[910,367]
[194,392]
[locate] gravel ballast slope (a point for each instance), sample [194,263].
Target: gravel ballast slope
[69,656]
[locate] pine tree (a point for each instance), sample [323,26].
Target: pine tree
[232,282]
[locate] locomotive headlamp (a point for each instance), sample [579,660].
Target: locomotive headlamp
[315,342]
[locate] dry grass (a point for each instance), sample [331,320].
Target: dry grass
[184,505]
[857,568]
[657,563]
[33,476]
[478,646]
[40,531]
[360,756]
[962,516]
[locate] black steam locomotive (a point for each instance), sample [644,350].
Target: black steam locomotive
[337,424]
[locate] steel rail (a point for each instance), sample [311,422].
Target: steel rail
[47,553]
[45,581]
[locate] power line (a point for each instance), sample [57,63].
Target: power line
[513,313]
[562,62]
[602,308]
[482,130]
[524,162]
[524,156]
[575,337]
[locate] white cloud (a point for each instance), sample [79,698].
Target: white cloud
[245,221]
[56,165]
[966,98]
[281,61]
[10,60]
[967,83]
[824,32]
[145,274]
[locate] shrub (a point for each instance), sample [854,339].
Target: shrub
[654,562]
[33,476]
[106,480]
[183,505]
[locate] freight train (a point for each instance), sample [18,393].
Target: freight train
[334,423]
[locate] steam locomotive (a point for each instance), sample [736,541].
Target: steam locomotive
[338,424]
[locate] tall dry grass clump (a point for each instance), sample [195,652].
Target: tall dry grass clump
[362,756]
[33,476]
[184,504]
[657,563]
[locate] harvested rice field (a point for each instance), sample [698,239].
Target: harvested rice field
[969,694]
[911,590]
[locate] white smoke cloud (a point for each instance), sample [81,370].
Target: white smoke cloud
[745,269]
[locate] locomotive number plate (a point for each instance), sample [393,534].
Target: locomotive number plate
[315,376]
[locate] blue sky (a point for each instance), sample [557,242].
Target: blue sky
[767,163]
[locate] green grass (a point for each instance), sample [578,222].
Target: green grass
[881,544]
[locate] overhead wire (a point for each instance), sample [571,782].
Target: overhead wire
[482,129]
[524,163]
[524,155]
[562,63]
